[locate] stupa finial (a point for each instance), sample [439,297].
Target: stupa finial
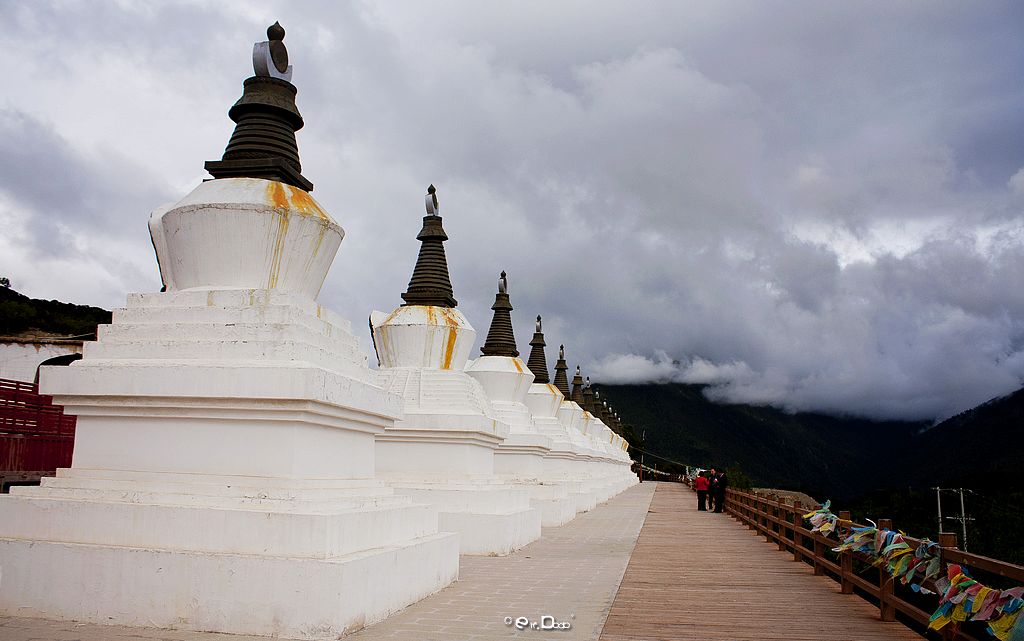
[270,58]
[430,283]
[501,341]
[538,362]
[263,144]
[431,201]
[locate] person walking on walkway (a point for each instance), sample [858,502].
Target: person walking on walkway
[712,488]
[723,482]
[701,485]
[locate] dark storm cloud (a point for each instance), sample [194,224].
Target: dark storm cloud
[812,206]
[61,192]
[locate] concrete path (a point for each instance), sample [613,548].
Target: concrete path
[571,574]
[701,576]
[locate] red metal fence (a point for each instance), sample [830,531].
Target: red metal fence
[36,436]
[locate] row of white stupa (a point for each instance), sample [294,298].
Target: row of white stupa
[239,468]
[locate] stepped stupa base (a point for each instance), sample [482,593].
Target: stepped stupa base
[556,504]
[519,459]
[222,478]
[491,517]
[600,485]
[285,597]
[295,559]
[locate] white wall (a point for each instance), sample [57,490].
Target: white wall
[19,360]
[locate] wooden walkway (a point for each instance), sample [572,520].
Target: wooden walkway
[703,576]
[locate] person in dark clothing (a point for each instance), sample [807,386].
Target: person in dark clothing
[723,483]
[701,485]
[712,488]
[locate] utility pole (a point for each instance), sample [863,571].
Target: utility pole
[963,518]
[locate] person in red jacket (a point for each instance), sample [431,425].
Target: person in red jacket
[701,485]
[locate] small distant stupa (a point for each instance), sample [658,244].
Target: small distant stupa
[577,388]
[537,362]
[501,341]
[561,380]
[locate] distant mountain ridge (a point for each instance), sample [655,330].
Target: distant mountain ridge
[19,313]
[982,447]
[826,456]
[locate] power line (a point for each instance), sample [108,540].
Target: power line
[661,458]
[996,506]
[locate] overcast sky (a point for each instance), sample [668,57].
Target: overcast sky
[811,205]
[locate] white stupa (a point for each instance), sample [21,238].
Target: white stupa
[507,380]
[443,449]
[571,457]
[586,466]
[223,472]
[608,472]
[617,467]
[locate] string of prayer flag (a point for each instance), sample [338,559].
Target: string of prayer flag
[962,598]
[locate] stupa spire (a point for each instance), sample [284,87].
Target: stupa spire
[588,397]
[266,119]
[501,341]
[430,283]
[561,381]
[600,407]
[538,363]
[607,415]
[577,387]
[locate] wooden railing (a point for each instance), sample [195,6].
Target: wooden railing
[783,524]
[36,436]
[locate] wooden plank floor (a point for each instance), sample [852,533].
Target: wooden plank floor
[704,576]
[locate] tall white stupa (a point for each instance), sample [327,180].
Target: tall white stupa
[223,472]
[442,451]
[507,380]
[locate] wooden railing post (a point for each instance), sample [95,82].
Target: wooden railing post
[779,511]
[819,554]
[947,541]
[846,559]
[885,606]
[798,508]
